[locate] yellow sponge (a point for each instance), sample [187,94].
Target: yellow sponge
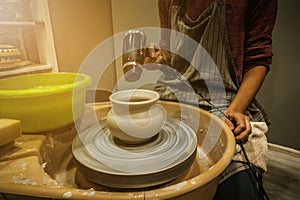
[10,129]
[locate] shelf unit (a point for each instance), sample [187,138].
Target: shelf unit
[26,25]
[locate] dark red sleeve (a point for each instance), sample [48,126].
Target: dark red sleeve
[260,20]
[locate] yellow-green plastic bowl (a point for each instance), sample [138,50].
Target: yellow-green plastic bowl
[43,101]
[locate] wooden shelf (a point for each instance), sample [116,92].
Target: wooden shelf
[26,70]
[31,33]
[21,23]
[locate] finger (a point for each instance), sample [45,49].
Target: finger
[159,58]
[151,50]
[240,127]
[243,136]
[242,124]
[152,63]
[238,121]
[147,60]
[229,123]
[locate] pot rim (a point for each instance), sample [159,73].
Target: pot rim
[122,97]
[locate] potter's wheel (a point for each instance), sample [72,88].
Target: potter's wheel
[104,160]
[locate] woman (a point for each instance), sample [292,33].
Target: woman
[238,37]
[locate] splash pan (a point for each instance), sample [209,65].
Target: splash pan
[42,164]
[105,161]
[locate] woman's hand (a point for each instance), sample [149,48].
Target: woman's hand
[239,125]
[155,57]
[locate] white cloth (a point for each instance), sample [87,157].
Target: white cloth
[256,149]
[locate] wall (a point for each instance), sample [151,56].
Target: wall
[280,93]
[78,27]
[132,14]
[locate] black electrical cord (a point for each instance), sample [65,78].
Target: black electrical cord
[257,176]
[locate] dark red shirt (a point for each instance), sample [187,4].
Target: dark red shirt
[249,25]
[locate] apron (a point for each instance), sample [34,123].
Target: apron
[210,71]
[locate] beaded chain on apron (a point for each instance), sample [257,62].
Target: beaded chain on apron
[214,66]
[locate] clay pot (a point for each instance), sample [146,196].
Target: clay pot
[135,117]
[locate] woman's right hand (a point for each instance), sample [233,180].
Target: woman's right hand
[155,57]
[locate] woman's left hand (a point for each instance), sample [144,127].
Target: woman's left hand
[239,125]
